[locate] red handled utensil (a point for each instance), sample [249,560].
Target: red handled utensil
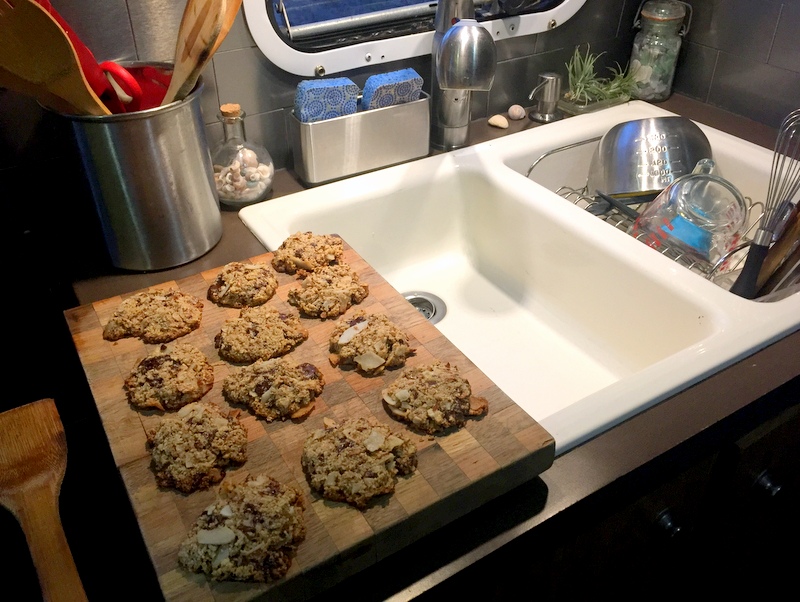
[98,74]
[40,60]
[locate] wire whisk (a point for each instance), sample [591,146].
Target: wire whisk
[784,183]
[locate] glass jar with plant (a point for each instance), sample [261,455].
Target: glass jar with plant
[588,91]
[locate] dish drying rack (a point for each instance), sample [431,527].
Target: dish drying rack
[723,272]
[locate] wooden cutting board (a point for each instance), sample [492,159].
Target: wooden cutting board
[457,472]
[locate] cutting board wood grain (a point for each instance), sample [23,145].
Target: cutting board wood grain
[457,472]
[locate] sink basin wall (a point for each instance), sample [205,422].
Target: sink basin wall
[409,224]
[538,258]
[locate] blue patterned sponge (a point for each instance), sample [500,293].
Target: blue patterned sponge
[318,99]
[393,88]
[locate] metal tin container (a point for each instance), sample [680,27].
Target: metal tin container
[360,142]
[152,183]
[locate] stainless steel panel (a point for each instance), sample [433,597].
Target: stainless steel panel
[104,27]
[155,27]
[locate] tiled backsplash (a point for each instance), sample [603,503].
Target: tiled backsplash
[744,56]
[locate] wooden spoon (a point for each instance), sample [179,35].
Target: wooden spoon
[231,10]
[33,459]
[34,47]
[199,35]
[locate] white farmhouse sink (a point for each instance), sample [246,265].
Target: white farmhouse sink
[579,323]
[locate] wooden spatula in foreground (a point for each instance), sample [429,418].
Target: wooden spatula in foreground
[33,459]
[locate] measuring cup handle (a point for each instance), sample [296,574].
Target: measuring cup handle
[704,166]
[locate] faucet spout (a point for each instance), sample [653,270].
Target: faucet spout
[464,59]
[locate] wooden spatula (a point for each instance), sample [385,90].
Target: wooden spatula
[204,25]
[33,459]
[34,47]
[231,10]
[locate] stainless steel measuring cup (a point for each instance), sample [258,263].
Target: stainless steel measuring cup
[644,156]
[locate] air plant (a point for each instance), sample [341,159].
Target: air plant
[586,86]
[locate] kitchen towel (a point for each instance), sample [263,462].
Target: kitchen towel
[318,99]
[393,88]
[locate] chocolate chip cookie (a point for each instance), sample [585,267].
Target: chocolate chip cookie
[275,389]
[169,378]
[328,291]
[192,448]
[261,332]
[356,460]
[241,284]
[158,316]
[369,342]
[433,397]
[307,251]
[250,533]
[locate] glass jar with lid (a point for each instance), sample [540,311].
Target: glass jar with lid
[656,46]
[243,170]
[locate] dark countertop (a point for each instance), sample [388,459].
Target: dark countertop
[104,536]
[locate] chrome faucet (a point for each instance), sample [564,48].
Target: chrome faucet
[464,58]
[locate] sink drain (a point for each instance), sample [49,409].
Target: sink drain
[429,305]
